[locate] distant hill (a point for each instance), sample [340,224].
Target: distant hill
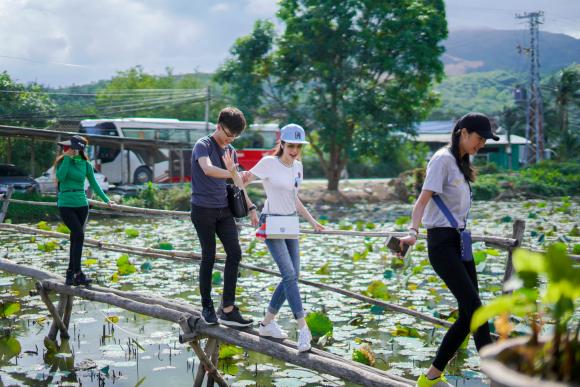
[489,50]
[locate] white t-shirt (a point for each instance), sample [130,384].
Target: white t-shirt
[281,184]
[446,179]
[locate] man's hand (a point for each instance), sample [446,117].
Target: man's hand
[254,218]
[229,161]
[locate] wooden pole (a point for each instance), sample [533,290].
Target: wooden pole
[181,167]
[32,159]
[519,228]
[67,311]
[9,150]
[203,356]
[200,373]
[52,310]
[60,310]
[214,357]
[123,180]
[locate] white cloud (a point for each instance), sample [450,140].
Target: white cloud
[220,7]
[261,8]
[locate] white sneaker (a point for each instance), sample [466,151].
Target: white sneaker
[304,339]
[272,330]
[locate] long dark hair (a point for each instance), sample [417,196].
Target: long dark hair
[464,163]
[278,149]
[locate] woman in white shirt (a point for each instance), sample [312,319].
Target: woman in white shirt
[448,176]
[281,176]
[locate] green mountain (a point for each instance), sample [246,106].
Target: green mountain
[488,50]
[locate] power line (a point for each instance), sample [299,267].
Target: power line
[134,92]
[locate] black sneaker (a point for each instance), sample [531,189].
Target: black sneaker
[208,315]
[69,278]
[234,318]
[81,279]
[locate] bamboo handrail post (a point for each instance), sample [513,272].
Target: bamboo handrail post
[52,310]
[67,311]
[186,326]
[214,357]
[60,310]
[519,227]
[201,370]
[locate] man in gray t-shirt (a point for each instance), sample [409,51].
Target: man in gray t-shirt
[211,216]
[208,191]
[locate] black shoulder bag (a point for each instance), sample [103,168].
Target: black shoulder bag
[236,196]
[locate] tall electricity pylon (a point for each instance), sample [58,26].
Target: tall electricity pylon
[534,114]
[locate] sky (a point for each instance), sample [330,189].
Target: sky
[64,42]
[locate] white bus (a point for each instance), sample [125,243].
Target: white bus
[144,166]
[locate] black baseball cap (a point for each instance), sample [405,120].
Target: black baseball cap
[76,143]
[479,123]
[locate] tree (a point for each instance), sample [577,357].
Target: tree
[26,106]
[566,98]
[351,72]
[135,93]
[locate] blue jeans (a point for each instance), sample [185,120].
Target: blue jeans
[286,255]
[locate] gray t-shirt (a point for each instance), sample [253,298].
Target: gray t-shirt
[207,191]
[446,179]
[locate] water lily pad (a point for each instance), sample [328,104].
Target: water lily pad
[229,351]
[319,324]
[131,233]
[43,225]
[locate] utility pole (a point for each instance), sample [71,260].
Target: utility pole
[534,111]
[207,99]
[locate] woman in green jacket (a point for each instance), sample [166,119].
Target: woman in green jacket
[72,168]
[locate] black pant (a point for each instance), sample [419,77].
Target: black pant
[75,218]
[208,222]
[461,279]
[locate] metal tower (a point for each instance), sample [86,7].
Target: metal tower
[534,114]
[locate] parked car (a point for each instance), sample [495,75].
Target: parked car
[11,175]
[47,181]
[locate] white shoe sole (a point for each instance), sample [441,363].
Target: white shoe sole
[272,336]
[209,323]
[229,323]
[304,350]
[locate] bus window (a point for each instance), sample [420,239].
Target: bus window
[107,155]
[103,129]
[178,135]
[141,134]
[196,134]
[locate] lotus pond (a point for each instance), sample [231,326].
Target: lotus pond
[110,346]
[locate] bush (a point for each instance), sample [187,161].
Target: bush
[20,213]
[485,190]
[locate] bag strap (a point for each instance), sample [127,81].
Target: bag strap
[439,202]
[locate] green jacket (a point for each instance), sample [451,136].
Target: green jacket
[71,174]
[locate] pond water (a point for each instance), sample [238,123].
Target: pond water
[110,346]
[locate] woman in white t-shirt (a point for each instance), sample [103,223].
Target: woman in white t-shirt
[448,176]
[281,175]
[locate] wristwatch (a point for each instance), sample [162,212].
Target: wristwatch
[253,208]
[413,231]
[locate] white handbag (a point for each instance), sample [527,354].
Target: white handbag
[282,227]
